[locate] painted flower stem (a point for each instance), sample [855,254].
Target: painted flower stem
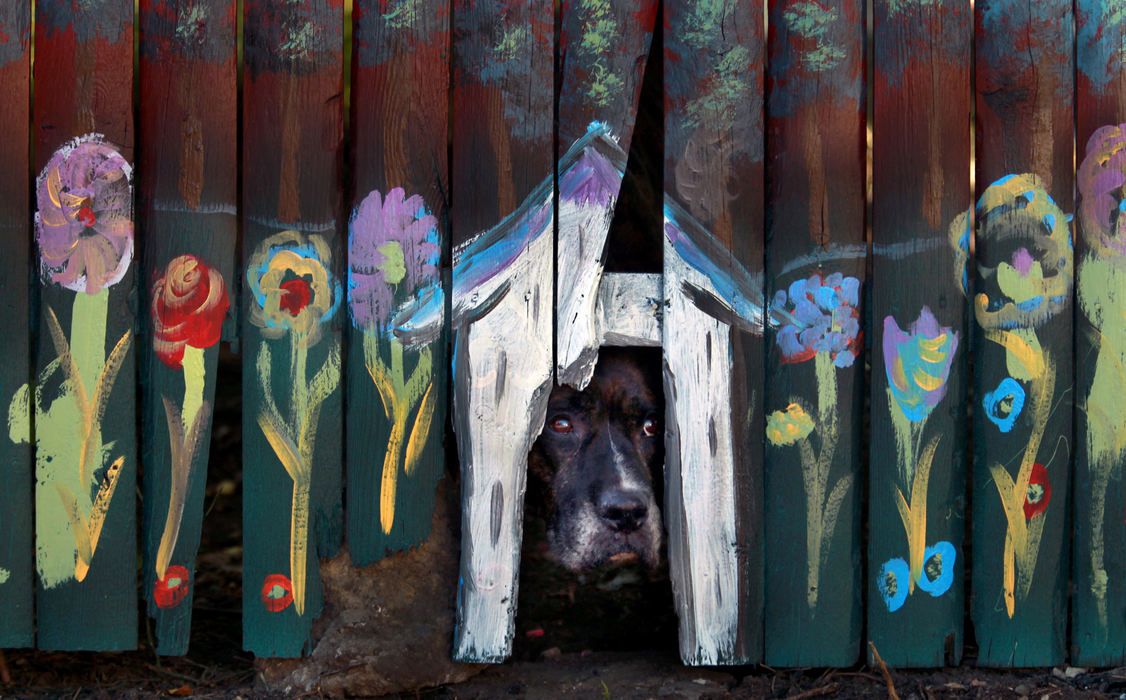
[399,394]
[914,515]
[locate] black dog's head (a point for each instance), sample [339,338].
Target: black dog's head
[598,460]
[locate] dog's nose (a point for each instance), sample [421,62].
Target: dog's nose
[624,511]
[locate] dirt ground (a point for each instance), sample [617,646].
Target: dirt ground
[610,635]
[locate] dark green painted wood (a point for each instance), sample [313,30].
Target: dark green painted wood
[815,226]
[400,118]
[292,151]
[17,582]
[1098,621]
[920,167]
[713,169]
[87,52]
[1024,125]
[187,197]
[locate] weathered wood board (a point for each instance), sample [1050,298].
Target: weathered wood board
[502,221]
[1098,610]
[17,577]
[187,191]
[291,329]
[86,463]
[815,270]
[713,190]
[1021,298]
[602,56]
[397,407]
[919,376]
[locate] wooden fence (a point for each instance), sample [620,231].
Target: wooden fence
[784,311]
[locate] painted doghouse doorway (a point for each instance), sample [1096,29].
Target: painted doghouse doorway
[703,310]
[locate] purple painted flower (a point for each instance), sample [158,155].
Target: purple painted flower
[84,225]
[824,319]
[1100,179]
[917,363]
[393,253]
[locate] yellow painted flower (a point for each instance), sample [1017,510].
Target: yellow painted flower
[786,428]
[292,286]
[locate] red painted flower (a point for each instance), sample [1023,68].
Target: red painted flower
[171,590]
[188,306]
[277,592]
[1039,492]
[296,295]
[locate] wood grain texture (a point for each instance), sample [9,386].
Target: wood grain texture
[919,374]
[502,219]
[603,54]
[17,572]
[815,257]
[85,504]
[187,192]
[291,329]
[1023,339]
[1098,620]
[400,118]
[713,178]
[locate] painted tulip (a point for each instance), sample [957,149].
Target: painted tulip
[938,568]
[786,428]
[189,304]
[393,248]
[171,590]
[1004,404]
[290,282]
[277,592]
[84,223]
[1039,492]
[824,319]
[892,581]
[918,363]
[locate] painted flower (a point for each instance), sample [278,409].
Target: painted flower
[892,582]
[393,248]
[938,568]
[918,363]
[1003,405]
[84,225]
[1039,492]
[824,318]
[1024,255]
[189,304]
[277,592]
[1100,179]
[289,279]
[786,428]
[171,590]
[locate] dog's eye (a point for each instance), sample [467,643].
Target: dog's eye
[649,427]
[562,424]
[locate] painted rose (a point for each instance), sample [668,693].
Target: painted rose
[918,363]
[393,252]
[84,223]
[824,318]
[288,277]
[189,304]
[786,428]
[1100,179]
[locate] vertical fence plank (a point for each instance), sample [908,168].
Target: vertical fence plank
[291,330]
[397,408]
[186,203]
[1098,622]
[815,268]
[920,171]
[16,577]
[603,56]
[502,220]
[714,352]
[1023,338]
[86,463]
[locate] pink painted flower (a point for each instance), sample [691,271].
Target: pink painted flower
[84,225]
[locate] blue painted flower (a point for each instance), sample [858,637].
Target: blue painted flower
[892,582]
[824,318]
[938,568]
[1003,405]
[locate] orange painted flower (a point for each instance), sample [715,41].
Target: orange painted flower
[171,590]
[189,304]
[277,592]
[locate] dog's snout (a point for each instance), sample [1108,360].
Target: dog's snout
[624,511]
